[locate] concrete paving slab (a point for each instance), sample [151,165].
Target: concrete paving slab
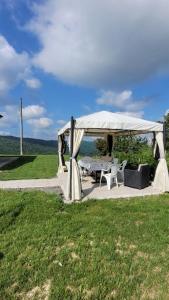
[94,191]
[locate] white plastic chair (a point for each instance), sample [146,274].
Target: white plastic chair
[84,165]
[121,169]
[104,172]
[111,177]
[115,161]
[83,172]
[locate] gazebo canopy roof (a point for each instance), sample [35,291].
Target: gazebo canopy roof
[113,123]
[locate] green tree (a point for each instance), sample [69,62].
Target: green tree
[101,146]
[129,143]
[134,149]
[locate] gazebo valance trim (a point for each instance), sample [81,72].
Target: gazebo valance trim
[112,122]
[99,131]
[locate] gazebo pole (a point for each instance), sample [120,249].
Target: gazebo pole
[109,144]
[71,153]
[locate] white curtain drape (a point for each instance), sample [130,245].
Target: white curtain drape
[76,187]
[161,179]
[60,155]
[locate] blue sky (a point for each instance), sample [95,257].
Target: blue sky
[73,58]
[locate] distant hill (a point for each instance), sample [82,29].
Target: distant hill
[88,148]
[10,145]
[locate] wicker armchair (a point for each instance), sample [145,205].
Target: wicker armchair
[138,179]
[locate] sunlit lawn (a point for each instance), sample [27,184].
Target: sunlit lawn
[94,250]
[30,167]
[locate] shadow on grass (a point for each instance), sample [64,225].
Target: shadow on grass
[20,161]
[8,218]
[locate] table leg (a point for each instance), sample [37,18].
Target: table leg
[97,177]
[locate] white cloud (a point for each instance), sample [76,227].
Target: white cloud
[123,101]
[41,123]
[115,99]
[14,66]
[10,4]
[35,123]
[61,122]
[10,116]
[33,111]
[5,133]
[86,107]
[33,83]
[42,128]
[102,43]
[45,134]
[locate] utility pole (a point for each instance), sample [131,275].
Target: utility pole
[21,128]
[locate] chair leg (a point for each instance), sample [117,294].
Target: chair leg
[109,183]
[101,176]
[123,178]
[117,184]
[100,180]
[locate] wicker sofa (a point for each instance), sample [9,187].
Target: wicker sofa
[139,178]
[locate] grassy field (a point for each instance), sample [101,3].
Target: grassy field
[31,167]
[93,250]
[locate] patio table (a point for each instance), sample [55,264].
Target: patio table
[94,166]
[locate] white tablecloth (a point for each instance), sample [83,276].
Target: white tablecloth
[94,164]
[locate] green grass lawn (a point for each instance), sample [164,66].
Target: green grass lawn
[31,167]
[94,250]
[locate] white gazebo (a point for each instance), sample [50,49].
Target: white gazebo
[101,124]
